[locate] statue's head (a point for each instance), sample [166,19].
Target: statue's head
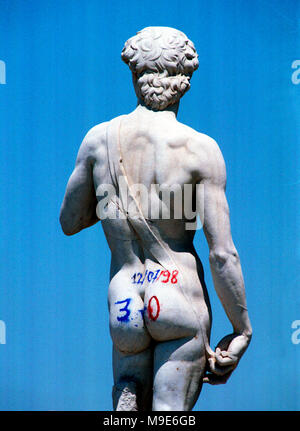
[162,61]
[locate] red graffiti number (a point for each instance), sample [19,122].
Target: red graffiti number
[167,275]
[153,313]
[174,276]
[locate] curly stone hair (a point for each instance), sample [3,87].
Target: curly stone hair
[162,61]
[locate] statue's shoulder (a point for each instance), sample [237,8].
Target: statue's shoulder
[198,142]
[206,155]
[95,138]
[96,134]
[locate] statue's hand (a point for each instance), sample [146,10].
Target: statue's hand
[226,358]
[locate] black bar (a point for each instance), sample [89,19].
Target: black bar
[153,420]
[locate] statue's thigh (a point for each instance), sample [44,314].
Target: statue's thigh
[179,366]
[133,377]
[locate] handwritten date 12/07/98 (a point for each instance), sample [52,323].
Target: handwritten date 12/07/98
[152,277]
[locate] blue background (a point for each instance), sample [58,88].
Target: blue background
[64,75]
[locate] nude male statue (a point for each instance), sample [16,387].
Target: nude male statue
[160,316]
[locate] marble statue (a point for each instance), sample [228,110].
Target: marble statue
[160,315]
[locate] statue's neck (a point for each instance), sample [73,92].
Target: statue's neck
[172,109]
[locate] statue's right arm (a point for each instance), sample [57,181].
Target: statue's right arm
[78,210]
[224,262]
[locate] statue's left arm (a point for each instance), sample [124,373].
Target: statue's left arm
[78,210]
